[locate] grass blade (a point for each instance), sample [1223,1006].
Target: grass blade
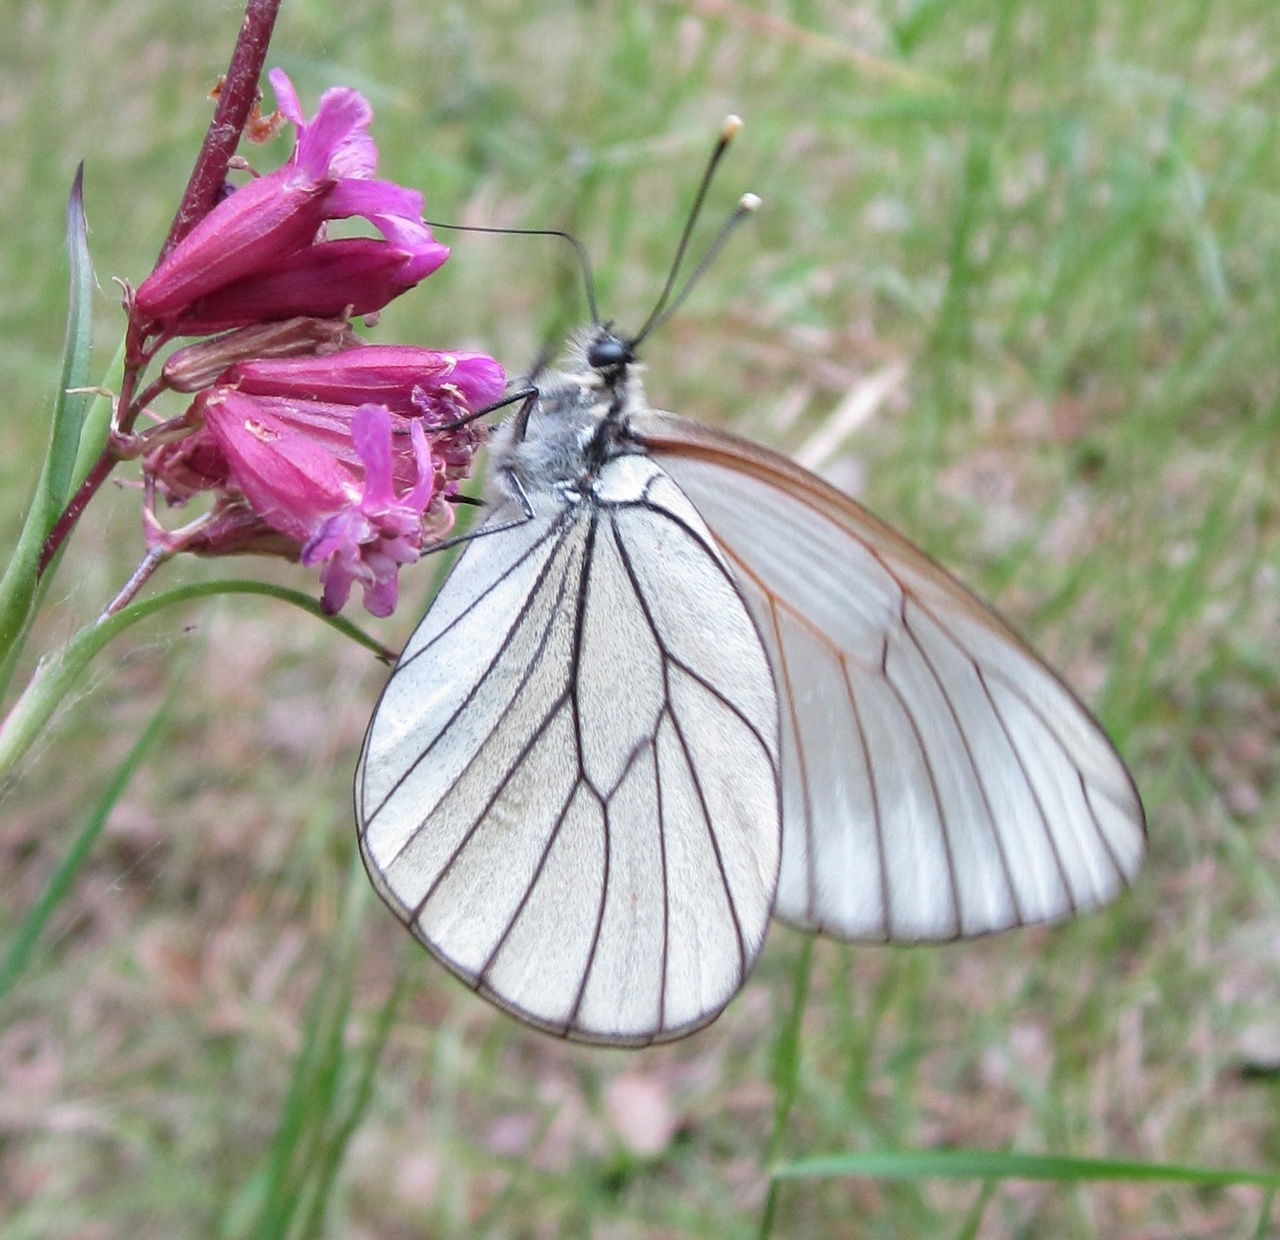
[786,1074]
[19,954]
[330,1089]
[71,405]
[1264,1215]
[992,1164]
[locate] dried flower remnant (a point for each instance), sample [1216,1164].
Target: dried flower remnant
[257,128]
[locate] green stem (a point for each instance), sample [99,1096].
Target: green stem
[786,1076]
[58,672]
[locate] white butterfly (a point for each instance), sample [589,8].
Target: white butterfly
[678,683]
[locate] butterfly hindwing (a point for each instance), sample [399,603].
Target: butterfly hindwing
[938,779]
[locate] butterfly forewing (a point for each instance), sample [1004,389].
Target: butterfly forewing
[938,779]
[569,789]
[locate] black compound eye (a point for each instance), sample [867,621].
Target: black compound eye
[609,353]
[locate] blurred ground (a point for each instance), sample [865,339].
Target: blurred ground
[1023,259]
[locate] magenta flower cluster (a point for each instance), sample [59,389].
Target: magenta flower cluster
[313,445]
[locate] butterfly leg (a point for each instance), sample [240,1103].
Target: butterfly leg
[526,514]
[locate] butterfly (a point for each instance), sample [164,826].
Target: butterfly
[676,685]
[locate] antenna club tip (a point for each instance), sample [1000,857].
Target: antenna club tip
[729,130]
[749,202]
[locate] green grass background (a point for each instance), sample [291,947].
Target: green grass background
[1048,235]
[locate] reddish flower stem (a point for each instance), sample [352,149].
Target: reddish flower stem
[235,102]
[145,399]
[71,513]
[96,476]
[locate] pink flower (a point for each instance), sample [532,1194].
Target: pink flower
[261,253]
[301,464]
[355,276]
[311,445]
[331,488]
[440,388]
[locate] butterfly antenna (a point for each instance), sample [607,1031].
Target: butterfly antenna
[584,262]
[747,205]
[727,133]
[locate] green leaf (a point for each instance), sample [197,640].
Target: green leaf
[29,931]
[18,586]
[72,402]
[97,421]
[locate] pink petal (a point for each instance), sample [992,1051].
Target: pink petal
[359,275]
[335,144]
[261,221]
[399,376]
[286,96]
[371,433]
[375,200]
[289,479]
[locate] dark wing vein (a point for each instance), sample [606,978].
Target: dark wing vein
[552,837]
[973,763]
[575,651]
[936,794]
[1010,685]
[666,883]
[1039,715]
[1097,826]
[554,530]
[715,843]
[669,659]
[529,670]
[1035,793]
[811,877]
[595,934]
[874,789]
[667,655]
[484,676]
[534,737]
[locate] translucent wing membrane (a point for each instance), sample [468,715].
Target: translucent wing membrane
[938,780]
[569,790]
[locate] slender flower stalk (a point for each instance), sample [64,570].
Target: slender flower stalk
[237,99]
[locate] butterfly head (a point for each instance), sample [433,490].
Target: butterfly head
[603,366]
[609,354]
